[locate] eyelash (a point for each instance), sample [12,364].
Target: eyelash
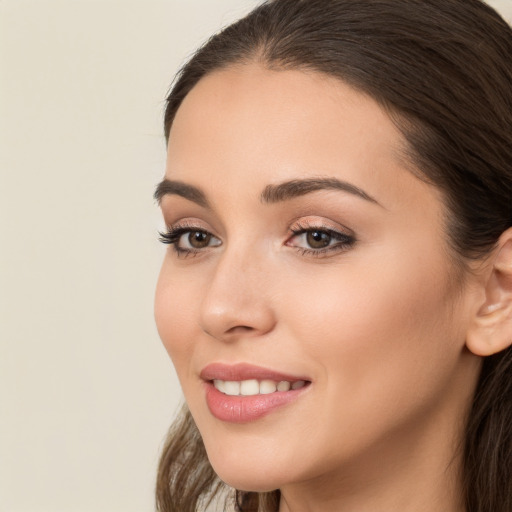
[344,241]
[173,235]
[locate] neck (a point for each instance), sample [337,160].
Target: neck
[411,487]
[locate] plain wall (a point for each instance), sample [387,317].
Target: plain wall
[86,389]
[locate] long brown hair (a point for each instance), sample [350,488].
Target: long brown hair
[442,70]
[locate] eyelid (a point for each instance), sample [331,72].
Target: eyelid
[320,223]
[344,238]
[188,222]
[178,229]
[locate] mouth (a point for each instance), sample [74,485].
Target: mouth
[253,387]
[242,393]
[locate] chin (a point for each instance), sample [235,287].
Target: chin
[250,480]
[246,471]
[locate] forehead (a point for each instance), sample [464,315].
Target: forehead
[285,102]
[252,125]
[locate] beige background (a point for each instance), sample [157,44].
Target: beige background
[86,390]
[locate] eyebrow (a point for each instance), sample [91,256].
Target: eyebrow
[271,193]
[179,188]
[300,187]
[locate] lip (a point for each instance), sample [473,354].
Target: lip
[245,371]
[244,409]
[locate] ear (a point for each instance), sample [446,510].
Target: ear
[491,328]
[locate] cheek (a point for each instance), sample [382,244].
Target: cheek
[381,333]
[175,316]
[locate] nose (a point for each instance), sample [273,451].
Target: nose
[237,302]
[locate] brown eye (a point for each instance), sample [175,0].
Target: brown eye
[199,239]
[186,240]
[320,242]
[318,239]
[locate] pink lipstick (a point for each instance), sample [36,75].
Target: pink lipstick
[241,393]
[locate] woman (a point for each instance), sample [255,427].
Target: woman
[337,294]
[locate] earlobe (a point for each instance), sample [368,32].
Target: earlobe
[491,328]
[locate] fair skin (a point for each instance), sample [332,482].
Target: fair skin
[375,321]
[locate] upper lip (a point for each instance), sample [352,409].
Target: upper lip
[245,371]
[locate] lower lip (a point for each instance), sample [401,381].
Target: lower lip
[243,409]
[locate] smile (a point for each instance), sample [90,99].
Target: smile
[253,387]
[242,393]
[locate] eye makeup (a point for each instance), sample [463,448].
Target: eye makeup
[314,238]
[309,238]
[188,239]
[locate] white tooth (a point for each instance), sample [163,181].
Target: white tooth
[298,384]
[283,386]
[232,387]
[249,387]
[219,384]
[267,386]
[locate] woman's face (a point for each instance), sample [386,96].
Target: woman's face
[303,252]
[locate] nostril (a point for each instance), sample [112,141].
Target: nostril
[239,329]
[224,316]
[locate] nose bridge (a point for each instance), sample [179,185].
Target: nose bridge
[237,300]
